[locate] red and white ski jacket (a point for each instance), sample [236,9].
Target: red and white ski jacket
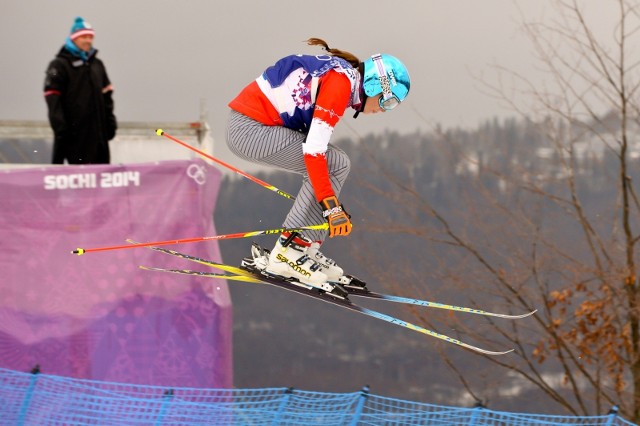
[308,94]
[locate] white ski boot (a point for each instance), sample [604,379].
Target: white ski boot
[290,260]
[331,269]
[335,273]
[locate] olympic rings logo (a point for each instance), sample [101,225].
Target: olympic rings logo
[197,173]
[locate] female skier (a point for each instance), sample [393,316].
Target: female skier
[285,118]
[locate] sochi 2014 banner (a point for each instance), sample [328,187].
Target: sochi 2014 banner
[99,316]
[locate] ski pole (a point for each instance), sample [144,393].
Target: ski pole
[81,251]
[161,132]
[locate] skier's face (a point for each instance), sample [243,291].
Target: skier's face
[84,42]
[372,105]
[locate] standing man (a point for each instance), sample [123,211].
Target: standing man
[79,99]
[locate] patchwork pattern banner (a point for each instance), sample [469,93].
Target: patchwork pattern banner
[98,316]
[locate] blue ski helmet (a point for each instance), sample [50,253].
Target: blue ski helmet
[387,75]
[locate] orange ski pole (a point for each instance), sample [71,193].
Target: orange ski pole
[161,132]
[81,251]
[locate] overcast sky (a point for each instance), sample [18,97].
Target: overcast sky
[164,56]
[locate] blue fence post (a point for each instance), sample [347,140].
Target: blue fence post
[167,397]
[283,404]
[364,394]
[27,398]
[613,413]
[477,409]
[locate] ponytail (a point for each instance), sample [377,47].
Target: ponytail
[349,57]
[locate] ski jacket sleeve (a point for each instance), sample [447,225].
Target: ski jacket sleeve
[55,85]
[332,100]
[107,94]
[112,122]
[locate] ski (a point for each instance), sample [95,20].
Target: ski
[352,292]
[232,277]
[235,273]
[313,293]
[425,303]
[228,268]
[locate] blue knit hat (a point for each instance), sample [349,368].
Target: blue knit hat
[80,28]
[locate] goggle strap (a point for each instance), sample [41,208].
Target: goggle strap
[364,100]
[382,76]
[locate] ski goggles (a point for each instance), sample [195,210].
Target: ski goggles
[388,100]
[388,104]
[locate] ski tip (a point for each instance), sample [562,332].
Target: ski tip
[528,314]
[78,251]
[481,350]
[487,352]
[500,352]
[159,132]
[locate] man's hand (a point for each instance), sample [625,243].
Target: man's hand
[338,219]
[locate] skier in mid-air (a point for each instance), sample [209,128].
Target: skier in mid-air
[285,118]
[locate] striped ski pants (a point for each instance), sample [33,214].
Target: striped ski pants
[280,147]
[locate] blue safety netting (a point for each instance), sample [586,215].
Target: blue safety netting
[41,399]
